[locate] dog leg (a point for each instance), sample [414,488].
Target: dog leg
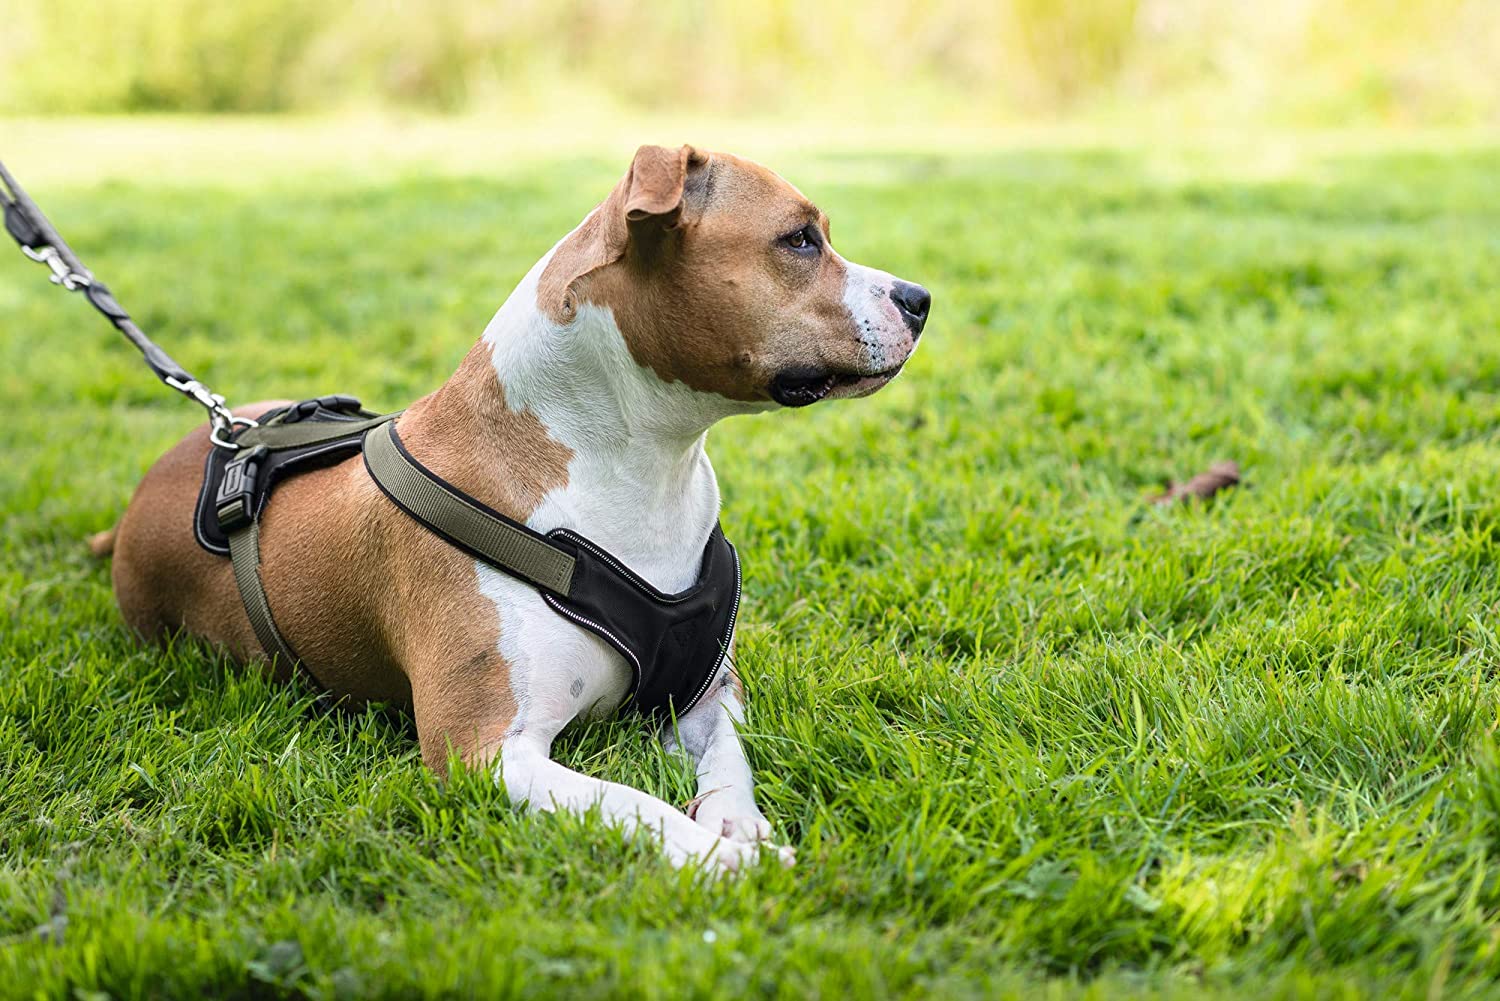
[466,705]
[534,780]
[725,803]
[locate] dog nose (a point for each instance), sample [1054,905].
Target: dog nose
[914,302]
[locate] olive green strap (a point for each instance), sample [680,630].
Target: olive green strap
[244,541]
[298,433]
[244,554]
[499,541]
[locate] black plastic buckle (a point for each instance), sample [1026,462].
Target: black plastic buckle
[234,504]
[337,404]
[341,403]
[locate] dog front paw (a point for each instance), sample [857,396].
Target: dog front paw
[737,857]
[730,816]
[749,830]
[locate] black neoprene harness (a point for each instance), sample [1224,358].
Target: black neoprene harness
[674,643]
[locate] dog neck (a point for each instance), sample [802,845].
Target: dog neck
[558,427]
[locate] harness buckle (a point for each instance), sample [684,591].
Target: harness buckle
[234,506]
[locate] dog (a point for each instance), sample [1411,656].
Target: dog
[703,287]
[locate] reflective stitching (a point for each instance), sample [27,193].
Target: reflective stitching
[734,611]
[594,627]
[641,584]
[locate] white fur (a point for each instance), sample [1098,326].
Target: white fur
[640,485]
[867,296]
[725,802]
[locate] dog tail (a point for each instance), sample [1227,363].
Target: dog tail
[102,544]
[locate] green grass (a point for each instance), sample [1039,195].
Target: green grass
[1026,733]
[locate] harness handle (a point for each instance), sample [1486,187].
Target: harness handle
[40,241]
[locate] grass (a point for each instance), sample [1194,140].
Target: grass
[1028,735]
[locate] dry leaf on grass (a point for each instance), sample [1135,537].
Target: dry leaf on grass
[1219,476]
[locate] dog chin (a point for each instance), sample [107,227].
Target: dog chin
[803,388]
[862,386]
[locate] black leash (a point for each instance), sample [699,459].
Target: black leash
[41,242]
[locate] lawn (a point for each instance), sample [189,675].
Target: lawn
[1027,732]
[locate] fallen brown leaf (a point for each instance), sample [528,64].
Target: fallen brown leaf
[1219,476]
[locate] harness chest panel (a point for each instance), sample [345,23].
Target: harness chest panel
[662,636]
[675,644]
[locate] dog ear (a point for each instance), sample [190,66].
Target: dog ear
[644,207]
[654,187]
[654,193]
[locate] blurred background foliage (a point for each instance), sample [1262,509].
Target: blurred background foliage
[1286,62]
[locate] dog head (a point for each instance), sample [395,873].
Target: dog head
[721,276]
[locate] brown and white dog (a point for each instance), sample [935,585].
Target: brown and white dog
[703,286]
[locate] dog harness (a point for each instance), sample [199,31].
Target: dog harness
[674,643]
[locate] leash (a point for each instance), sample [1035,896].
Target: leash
[40,241]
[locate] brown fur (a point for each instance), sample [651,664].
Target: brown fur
[684,252]
[377,607]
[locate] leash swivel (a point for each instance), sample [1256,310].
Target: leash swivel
[40,242]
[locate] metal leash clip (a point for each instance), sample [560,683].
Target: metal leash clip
[61,273]
[222,421]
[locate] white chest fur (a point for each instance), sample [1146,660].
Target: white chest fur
[639,484]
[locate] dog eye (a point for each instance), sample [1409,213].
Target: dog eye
[802,241]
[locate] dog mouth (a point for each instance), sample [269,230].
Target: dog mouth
[802,387]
